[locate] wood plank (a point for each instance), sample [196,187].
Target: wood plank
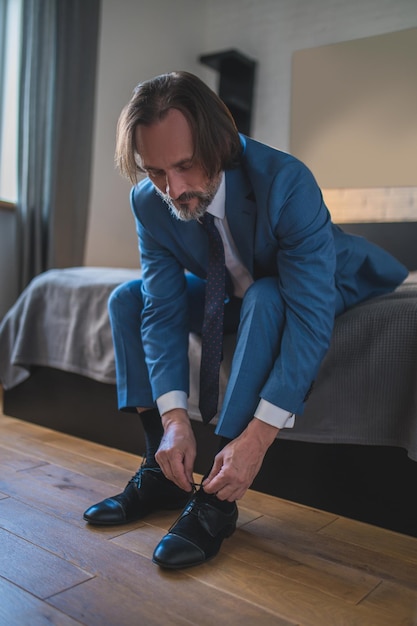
[54,489]
[107,464]
[285,558]
[34,569]
[101,602]
[298,515]
[342,582]
[339,550]
[18,608]
[20,435]
[98,602]
[80,455]
[111,474]
[124,569]
[373,538]
[291,561]
[9,460]
[286,564]
[286,598]
[142,540]
[394,597]
[85,547]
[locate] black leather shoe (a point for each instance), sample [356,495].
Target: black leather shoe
[198,533]
[146,492]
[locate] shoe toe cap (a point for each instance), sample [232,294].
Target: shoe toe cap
[108,511]
[175,552]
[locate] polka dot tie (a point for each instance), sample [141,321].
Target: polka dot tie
[212,332]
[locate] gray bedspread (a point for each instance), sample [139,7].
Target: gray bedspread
[61,321]
[365,393]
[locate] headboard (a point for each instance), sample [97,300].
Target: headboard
[386,216]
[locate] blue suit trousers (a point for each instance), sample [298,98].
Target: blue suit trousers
[258,320]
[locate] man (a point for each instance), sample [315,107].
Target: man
[289,272]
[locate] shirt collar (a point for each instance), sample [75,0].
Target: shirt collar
[217,205]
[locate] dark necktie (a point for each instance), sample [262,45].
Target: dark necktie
[212,332]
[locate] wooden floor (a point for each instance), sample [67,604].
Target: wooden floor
[286,564]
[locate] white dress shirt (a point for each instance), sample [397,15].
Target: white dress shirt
[242,279]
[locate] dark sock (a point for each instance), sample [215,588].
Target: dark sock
[152,425]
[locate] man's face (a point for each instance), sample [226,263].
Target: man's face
[166,154]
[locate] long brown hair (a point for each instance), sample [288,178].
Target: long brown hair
[216,140]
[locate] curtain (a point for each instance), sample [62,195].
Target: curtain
[56,114]
[3,18]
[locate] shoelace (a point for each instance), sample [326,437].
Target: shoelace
[189,506]
[136,479]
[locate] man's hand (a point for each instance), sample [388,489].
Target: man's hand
[177,451]
[236,466]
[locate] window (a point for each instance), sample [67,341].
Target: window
[10,11]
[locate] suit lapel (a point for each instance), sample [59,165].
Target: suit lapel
[241,214]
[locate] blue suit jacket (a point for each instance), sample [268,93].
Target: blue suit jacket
[282,228]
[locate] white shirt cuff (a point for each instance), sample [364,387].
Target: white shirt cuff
[274,415]
[172,400]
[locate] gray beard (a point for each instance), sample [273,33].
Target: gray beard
[184,213]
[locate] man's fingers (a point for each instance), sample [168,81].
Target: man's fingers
[214,472]
[188,469]
[174,470]
[180,478]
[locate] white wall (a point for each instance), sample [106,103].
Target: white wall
[138,40]
[141,39]
[271,30]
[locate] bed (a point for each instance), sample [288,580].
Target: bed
[354,450]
